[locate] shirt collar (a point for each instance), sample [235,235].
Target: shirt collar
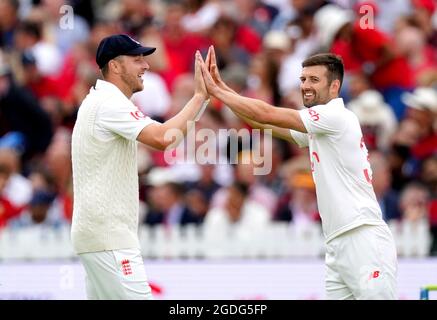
[337,102]
[102,85]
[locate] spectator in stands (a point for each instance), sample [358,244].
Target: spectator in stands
[29,37]
[377,120]
[429,178]
[40,85]
[280,152]
[180,44]
[197,203]
[200,15]
[37,213]
[206,184]
[358,83]
[399,155]
[223,35]
[429,174]
[299,205]
[58,24]
[133,15]
[262,80]
[244,173]
[240,216]
[257,15]
[277,45]
[423,11]
[7,210]
[421,56]
[169,207]
[21,112]
[366,49]
[9,20]
[422,109]
[414,202]
[18,189]
[387,197]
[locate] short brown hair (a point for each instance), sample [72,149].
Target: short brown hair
[332,62]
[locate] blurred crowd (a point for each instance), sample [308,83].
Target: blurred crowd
[47,66]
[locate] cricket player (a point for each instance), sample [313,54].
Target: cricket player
[361,260]
[105,174]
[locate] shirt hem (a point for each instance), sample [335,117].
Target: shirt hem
[351,226]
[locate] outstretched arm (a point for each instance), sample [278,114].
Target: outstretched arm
[211,63]
[253,109]
[154,134]
[277,132]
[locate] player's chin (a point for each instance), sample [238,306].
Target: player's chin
[139,88]
[309,103]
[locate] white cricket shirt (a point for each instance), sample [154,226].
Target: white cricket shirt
[340,168]
[105,172]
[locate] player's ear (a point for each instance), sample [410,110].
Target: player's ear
[114,66]
[335,87]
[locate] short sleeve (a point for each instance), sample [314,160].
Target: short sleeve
[300,138]
[323,119]
[120,118]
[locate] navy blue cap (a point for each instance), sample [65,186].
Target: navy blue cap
[117,45]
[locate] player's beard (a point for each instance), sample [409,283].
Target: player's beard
[317,99]
[134,83]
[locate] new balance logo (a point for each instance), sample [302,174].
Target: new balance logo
[126,268]
[373,275]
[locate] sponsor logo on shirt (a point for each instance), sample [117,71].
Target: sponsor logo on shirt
[138,115]
[314,115]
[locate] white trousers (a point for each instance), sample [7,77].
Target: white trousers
[116,275]
[362,264]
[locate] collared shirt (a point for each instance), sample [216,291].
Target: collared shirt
[340,168]
[105,171]
[118,115]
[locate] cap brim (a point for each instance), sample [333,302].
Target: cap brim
[145,51]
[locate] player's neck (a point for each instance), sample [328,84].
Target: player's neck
[123,87]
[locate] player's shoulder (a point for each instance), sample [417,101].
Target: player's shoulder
[334,108]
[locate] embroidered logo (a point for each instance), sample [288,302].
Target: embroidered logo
[125,267]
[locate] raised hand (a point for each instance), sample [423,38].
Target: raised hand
[211,86]
[211,64]
[200,87]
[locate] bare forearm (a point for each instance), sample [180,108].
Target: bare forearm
[188,113]
[282,133]
[172,132]
[247,107]
[262,112]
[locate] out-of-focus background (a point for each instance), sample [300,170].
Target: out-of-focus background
[216,231]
